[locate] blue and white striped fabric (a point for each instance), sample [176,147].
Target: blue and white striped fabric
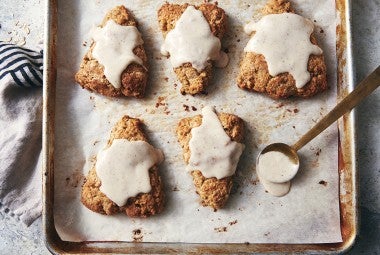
[20,65]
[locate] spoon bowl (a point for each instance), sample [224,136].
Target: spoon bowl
[278,163]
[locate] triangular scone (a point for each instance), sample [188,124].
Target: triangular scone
[193,82]
[133,79]
[213,192]
[254,74]
[144,204]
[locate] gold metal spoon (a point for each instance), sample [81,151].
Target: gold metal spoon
[365,88]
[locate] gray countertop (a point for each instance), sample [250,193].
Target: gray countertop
[15,15]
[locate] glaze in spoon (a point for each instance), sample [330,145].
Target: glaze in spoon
[278,163]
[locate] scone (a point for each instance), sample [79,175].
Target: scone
[144,204]
[213,192]
[193,81]
[133,79]
[254,74]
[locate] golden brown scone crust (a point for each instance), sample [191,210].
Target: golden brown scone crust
[213,192]
[133,79]
[193,82]
[254,74]
[144,204]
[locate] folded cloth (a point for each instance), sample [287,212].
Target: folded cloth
[20,132]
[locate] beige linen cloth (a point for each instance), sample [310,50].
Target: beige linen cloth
[20,132]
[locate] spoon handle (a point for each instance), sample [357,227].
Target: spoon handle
[365,87]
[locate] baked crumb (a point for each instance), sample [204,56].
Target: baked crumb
[232,222]
[137,235]
[221,229]
[186,107]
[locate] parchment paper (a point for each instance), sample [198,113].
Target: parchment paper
[308,214]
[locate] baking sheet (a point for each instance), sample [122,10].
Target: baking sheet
[309,214]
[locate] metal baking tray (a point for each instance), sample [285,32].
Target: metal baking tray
[347,165]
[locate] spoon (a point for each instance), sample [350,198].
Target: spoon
[278,163]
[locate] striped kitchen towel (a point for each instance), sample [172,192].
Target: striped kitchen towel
[20,132]
[20,65]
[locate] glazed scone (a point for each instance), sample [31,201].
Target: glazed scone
[254,74]
[134,77]
[144,204]
[213,192]
[193,81]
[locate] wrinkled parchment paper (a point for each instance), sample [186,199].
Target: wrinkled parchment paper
[308,214]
